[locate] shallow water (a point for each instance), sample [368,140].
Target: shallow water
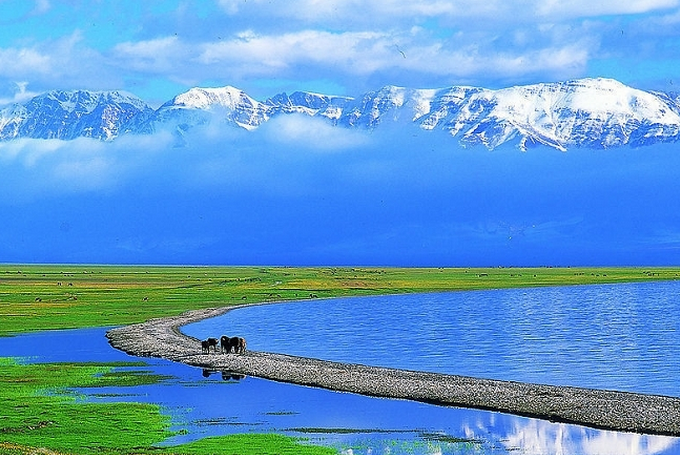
[208,406]
[354,424]
[622,336]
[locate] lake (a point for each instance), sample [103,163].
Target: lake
[622,336]
[617,336]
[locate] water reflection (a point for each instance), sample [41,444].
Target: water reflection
[225,375]
[539,437]
[202,403]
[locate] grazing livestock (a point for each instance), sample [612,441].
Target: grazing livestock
[237,344]
[205,345]
[224,344]
[213,342]
[241,346]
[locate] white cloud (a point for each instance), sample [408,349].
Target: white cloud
[386,11]
[37,167]
[263,53]
[587,8]
[41,7]
[351,43]
[62,166]
[312,134]
[367,53]
[63,63]
[16,92]
[160,55]
[22,62]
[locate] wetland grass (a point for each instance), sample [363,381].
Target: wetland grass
[42,417]
[40,409]
[42,414]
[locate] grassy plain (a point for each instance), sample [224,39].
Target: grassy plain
[39,416]
[43,297]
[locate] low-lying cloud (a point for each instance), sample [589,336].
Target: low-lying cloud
[298,191]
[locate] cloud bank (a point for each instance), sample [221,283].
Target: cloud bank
[348,46]
[295,193]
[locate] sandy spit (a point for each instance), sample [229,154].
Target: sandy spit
[605,409]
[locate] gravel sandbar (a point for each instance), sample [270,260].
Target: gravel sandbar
[605,409]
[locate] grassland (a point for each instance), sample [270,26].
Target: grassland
[43,297]
[40,417]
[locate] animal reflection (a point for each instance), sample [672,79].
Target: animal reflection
[226,375]
[205,345]
[232,344]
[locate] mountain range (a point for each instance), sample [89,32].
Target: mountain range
[591,113]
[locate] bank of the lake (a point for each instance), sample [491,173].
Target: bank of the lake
[50,297]
[604,409]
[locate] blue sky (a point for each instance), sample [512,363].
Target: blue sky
[302,192]
[157,49]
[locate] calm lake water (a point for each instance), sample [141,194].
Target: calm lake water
[620,336]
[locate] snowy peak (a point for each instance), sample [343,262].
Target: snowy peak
[596,113]
[209,98]
[593,113]
[391,103]
[588,112]
[71,114]
[330,107]
[229,103]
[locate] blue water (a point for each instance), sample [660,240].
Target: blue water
[491,321]
[621,336]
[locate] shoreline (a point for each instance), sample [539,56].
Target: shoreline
[602,409]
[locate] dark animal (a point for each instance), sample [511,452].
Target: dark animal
[239,344]
[205,345]
[224,344]
[235,344]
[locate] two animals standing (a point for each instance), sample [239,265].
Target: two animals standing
[227,344]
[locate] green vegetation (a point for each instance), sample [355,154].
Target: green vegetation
[40,415]
[40,410]
[40,297]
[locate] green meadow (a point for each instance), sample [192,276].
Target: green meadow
[45,297]
[42,414]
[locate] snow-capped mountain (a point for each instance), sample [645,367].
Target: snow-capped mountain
[594,113]
[329,107]
[71,114]
[198,106]
[584,113]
